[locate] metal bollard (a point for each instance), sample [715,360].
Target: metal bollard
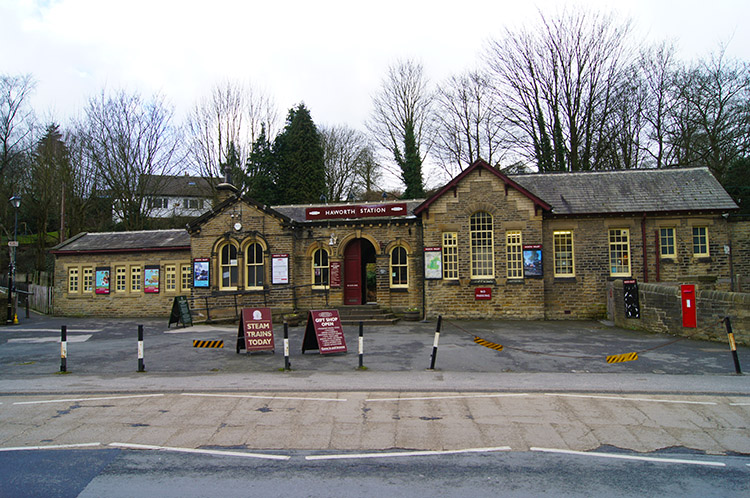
[361,345]
[287,365]
[732,345]
[141,366]
[64,348]
[435,344]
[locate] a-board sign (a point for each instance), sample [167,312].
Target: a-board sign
[323,332]
[630,295]
[255,332]
[181,312]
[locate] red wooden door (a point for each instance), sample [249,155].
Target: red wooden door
[353,272]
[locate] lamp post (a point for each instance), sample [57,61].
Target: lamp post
[15,201]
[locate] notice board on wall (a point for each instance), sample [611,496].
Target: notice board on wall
[324,332]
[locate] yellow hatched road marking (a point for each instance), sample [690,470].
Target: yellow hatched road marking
[207,344]
[488,344]
[619,358]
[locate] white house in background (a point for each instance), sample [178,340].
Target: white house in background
[178,196]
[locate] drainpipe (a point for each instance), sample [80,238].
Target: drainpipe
[645,249]
[657,255]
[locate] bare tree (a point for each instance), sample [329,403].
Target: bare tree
[470,123]
[558,80]
[126,138]
[657,68]
[402,120]
[348,162]
[231,117]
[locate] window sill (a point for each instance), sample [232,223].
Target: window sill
[703,259]
[482,281]
[515,281]
[399,289]
[564,280]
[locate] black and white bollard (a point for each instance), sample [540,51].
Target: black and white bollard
[361,345]
[287,366]
[141,366]
[64,348]
[435,344]
[732,345]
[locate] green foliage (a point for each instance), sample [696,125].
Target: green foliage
[260,177]
[411,165]
[736,181]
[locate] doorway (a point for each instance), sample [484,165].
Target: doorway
[359,283]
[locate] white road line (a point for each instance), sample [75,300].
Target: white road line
[51,447]
[404,453]
[739,404]
[249,396]
[449,397]
[85,399]
[630,457]
[70,331]
[40,340]
[198,451]
[623,398]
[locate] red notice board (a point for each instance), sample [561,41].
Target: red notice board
[324,332]
[483,293]
[256,330]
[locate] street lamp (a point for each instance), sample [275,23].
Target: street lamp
[15,201]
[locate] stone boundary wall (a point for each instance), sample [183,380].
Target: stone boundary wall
[661,311]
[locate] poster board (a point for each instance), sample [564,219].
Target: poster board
[630,295]
[102,280]
[201,273]
[280,268]
[324,332]
[335,282]
[433,263]
[532,261]
[180,312]
[255,331]
[151,279]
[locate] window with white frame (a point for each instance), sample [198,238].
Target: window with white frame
[450,255]
[700,242]
[255,267]
[619,252]
[562,246]
[482,245]
[514,254]
[228,266]
[399,267]
[320,269]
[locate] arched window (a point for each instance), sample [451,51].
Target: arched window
[399,267]
[255,268]
[320,268]
[228,266]
[482,245]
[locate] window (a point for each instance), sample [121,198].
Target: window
[700,242]
[121,279]
[186,274]
[228,264]
[666,242]
[320,268]
[514,254]
[450,256]
[255,269]
[619,252]
[170,278]
[156,203]
[399,268]
[194,203]
[88,280]
[72,279]
[135,278]
[482,251]
[562,242]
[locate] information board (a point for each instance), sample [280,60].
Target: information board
[102,280]
[151,279]
[201,272]
[483,293]
[335,274]
[433,263]
[255,331]
[280,268]
[323,332]
[180,312]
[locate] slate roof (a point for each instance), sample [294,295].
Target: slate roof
[297,212]
[143,240]
[629,191]
[179,185]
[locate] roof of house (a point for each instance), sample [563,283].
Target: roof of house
[137,241]
[179,185]
[629,191]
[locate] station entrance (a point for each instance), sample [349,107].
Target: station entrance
[359,272]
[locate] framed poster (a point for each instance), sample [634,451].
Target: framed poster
[102,280]
[532,261]
[151,279]
[433,263]
[201,272]
[279,268]
[335,274]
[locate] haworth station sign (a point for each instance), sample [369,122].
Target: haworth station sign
[355,211]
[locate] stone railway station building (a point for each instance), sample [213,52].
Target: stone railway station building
[486,245]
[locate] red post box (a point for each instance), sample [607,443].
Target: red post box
[688,306]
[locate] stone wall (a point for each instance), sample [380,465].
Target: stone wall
[740,234]
[661,311]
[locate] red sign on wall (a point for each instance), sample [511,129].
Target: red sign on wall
[335,274]
[483,293]
[324,332]
[354,211]
[256,329]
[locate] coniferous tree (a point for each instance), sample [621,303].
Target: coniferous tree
[411,165]
[298,160]
[260,178]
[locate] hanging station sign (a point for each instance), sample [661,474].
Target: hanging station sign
[355,211]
